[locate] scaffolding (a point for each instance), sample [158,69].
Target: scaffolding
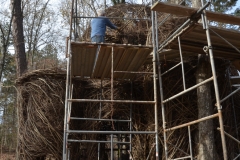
[121,61]
[106,61]
[194,15]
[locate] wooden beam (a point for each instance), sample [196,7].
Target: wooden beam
[187,11]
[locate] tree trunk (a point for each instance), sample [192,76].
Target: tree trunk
[206,146]
[18,38]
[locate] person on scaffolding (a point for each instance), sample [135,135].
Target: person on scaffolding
[98,27]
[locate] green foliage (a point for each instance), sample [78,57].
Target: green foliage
[223,5]
[8,128]
[237,12]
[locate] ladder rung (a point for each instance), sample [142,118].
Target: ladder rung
[187,90]
[111,101]
[96,119]
[181,158]
[236,85]
[235,80]
[110,132]
[96,141]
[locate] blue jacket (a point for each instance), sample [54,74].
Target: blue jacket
[98,26]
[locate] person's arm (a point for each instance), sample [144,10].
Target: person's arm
[109,24]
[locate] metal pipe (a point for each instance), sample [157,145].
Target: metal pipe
[111,101]
[225,98]
[133,72]
[150,151]
[171,37]
[146,19]
[193,122]
[111,146]
[75,22]
[236,140]
[110,45]
[181,57]
[233,106]
[189,89]
[230,44]
[96,119]
[64,155]
[178,148]
[69,107]
[112,75]
[224,148]
[190,142]
[183,27]
[156,58]
[99,116]
[171,68]
[119,146]
[130,127]
[181,158]
[155,89]
[236,85]
[68,154]
[96,141]
[236,157]
[155,81]
[110,132]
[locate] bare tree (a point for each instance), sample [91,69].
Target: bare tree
[206,146]
[18,37]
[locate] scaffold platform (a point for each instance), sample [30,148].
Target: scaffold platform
[92,60]
[225,42]
[188,12]
[194,39]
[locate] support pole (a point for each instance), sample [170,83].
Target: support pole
[99,116]
[154,35]
[181,57]
[130,125]
[112,102]
[190,142]
[65,134]
[111,146]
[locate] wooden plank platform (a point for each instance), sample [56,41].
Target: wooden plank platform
[91,60]
[194,39]
[187,11]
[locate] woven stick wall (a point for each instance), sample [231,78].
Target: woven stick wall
[41,112]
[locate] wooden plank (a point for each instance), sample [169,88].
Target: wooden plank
[173,9]
[187,11]
[223,18]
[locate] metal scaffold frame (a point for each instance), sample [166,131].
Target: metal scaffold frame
[218,115]
[112,101]
[157,75]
